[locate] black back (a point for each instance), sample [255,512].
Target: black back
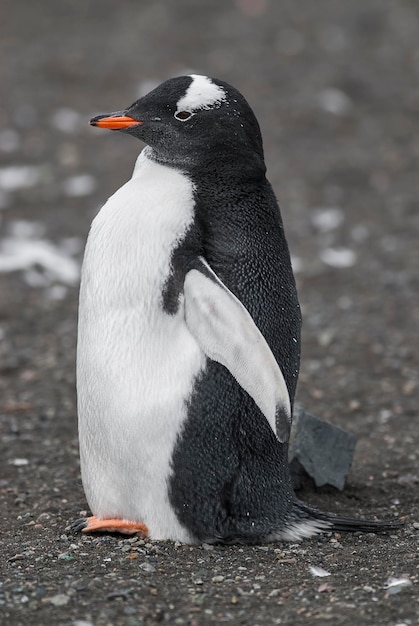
[230,474]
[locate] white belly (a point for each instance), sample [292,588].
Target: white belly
[136,365]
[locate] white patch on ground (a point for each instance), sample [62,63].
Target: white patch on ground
[334,101]
[396,584]
[42,262]
[81,185]
[327,219]
[318,571]
[19,462]
[201,94]
[16,177]
[338,257]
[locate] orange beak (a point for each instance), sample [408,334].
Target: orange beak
[114,122]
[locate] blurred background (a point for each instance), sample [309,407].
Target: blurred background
[335,86]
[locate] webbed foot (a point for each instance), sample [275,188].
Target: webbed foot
[94,524]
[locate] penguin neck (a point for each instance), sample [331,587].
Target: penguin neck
[237,169]
[219,164]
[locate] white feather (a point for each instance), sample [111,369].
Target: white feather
[297,531]
[202,93]
[136,364]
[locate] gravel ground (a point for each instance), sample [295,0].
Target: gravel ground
[335,86]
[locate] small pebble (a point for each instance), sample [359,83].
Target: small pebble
[117,594]
[126,548]
[147,567]
[59,600]
[217,579]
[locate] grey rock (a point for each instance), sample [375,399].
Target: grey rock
[61,599]
[320,451]
[147,567]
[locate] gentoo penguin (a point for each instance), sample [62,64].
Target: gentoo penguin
[189,333]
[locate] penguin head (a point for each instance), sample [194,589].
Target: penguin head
[192,121]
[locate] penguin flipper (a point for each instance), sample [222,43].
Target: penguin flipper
[227,334]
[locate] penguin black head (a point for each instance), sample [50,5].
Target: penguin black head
[192,121]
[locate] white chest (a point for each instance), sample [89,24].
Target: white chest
[136,365]
[127,257]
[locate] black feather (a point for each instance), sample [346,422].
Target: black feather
[348,524]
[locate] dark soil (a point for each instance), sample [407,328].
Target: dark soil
[335,86]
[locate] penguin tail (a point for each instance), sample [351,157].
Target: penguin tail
[308,521]
[352,525]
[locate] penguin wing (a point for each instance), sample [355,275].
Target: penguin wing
[227,334]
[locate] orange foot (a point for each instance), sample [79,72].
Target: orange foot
[93,524]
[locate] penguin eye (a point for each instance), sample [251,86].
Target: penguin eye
[183,115]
